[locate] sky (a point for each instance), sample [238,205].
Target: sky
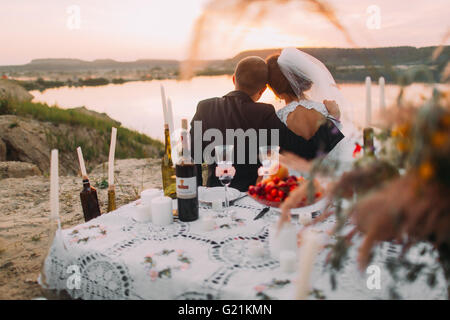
[146,29]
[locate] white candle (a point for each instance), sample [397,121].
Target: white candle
[148,194]
[285,239]
[208,223]
[112,150]
[54,186]
[217,204]
[368,101]
[288,261]
[164,105]
[143,212]
[81,160]
[381,83]
[256,248]
[162,211]
[170,116]
[310,245]
[144,208]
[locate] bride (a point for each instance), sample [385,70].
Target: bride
[293,73]
[316,115]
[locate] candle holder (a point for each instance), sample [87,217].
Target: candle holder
[369,148]
[111,198]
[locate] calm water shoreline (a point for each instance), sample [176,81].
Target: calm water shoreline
[137,104]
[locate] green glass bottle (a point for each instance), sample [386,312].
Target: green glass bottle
[167,167]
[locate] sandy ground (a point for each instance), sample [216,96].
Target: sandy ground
[24,218]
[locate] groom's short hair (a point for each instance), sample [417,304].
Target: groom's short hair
[251,75]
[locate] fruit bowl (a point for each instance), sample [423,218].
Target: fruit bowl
[272,191]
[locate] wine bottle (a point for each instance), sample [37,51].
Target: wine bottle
[167,168]
[89,201]
[186,180]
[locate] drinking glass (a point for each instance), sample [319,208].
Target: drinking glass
[269,158]
[224,161]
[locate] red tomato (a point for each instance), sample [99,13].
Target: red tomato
[282,184]
[274,193]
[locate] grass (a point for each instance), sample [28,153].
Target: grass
[130,144]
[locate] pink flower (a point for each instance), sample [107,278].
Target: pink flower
[184,266]
[260,288]
[154,274]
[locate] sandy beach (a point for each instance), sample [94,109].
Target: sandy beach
[24,218]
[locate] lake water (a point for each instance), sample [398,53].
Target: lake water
[137,105]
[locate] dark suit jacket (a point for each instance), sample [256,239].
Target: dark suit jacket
[237,110]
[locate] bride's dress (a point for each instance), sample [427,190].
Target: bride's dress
[296,66]
[308,104]
[343,151]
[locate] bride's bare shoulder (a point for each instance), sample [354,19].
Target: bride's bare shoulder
[304,122]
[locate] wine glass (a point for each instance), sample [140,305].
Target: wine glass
[225,170]
[269,158]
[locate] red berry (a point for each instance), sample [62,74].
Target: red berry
[277,199]
[282,184]
[269,197]
[292,187]
[318,194]
[276,180]
[281,194]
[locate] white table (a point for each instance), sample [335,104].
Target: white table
[115,257]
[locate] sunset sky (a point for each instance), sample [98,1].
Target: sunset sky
[139,29]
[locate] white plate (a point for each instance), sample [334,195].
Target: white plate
[317,206]
[208,195]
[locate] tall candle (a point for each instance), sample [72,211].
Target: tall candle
[368,101]
[112,150]
[54,186]
[310,245]
[381,83]
[164,104]
[170,115]
[81,160]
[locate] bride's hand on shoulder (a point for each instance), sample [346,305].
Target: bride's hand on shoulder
[333,108]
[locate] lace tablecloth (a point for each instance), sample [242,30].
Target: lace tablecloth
[116,257]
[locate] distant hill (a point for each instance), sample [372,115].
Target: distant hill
[361,56]
[54,65]
[346,64]
[330,56]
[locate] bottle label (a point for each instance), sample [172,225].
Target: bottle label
[186,188]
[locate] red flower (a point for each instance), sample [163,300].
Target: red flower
[357,150]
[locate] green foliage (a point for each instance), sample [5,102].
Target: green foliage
[130,143]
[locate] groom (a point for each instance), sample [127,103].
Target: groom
[239,109]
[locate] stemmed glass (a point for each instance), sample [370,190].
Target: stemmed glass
[225,170]
[269,157]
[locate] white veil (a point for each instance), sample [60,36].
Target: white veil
[297,65]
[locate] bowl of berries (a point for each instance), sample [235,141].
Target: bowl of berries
[274,190]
